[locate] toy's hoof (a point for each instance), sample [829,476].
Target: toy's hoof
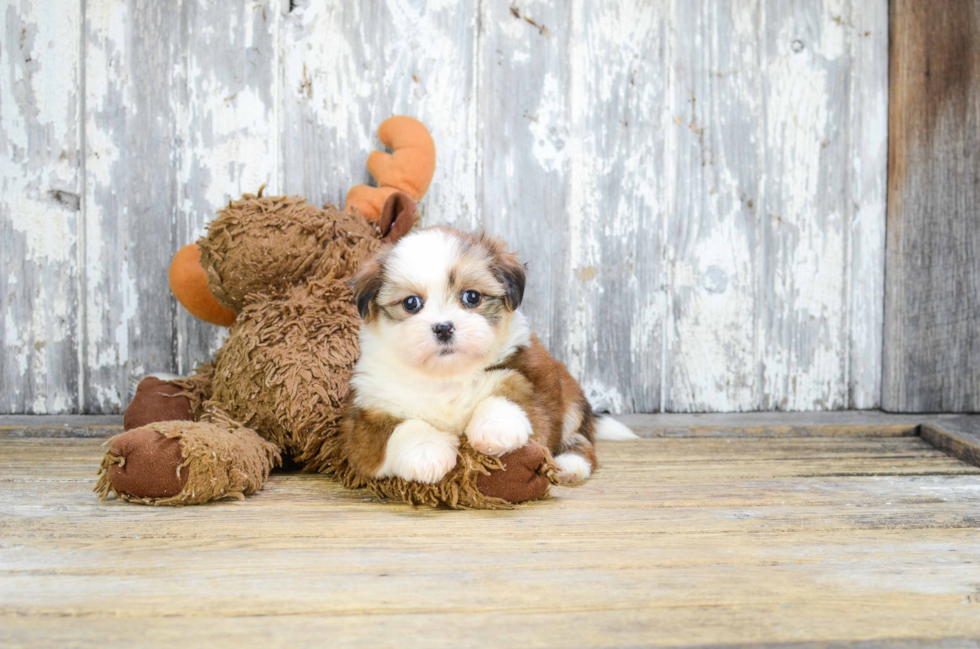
[519,481]
[147,465]
[155,401]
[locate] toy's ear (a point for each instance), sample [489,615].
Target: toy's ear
[397,216]
[365,286]
[189,283]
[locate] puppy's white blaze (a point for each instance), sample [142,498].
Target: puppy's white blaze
[424,257]
[574,467]
[498,426]
[611,430]
[419,452]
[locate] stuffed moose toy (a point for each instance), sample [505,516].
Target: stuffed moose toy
[277,271]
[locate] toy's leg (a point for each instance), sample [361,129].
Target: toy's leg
[186,463]
[178,400]
[526,475]
[476,482]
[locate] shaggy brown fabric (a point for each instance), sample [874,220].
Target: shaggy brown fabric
[262,245]
[285,370]
[219,460]
[196,388]
[154,401]
[520,479]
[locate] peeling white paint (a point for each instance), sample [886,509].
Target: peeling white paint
[39,185]
[699,190]
[547,126]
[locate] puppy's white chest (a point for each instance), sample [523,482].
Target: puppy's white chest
[446,405]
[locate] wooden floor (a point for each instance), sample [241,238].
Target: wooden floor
[708,536]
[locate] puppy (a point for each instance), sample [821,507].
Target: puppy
[445,352]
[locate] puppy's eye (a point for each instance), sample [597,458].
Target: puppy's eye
[471,298]
[412,303]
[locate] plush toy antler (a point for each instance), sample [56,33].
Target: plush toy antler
[409,168]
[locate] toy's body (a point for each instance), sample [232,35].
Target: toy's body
[280,269]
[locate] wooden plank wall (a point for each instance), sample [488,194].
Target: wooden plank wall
[699,187]
[932,312]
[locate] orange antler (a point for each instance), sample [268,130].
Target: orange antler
[409,168]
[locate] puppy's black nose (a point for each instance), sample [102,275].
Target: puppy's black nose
[443,331]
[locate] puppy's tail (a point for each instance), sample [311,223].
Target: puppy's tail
[609,429]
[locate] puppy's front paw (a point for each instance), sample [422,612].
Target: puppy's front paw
[418,452]
[498,426]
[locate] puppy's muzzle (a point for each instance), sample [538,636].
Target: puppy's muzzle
[443,331]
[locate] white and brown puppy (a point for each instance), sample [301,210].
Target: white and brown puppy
[445,352]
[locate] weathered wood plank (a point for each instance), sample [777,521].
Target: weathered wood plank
[40,203]
[347,66]
[131,53]
[629,626]
[525,135]
[958,436]
[763,208]
[331,72]
[59,425]
[778,424]
[715,138]
[228,131]
[626,560]
[866,187]
[932,300]
[612,309]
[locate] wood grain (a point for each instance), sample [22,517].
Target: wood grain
[60,425]
[680,542]
[866,182]
[347,66]
[40,205]
[525,137]
[612,313]
[958,436]
[932,303]
[131,183]
[761,265]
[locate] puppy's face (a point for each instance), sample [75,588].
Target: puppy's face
[441,300]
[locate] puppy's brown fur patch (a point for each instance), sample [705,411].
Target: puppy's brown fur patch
[365,435]
[545,390]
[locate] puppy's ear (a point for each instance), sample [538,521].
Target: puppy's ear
[365,286]
[508,270]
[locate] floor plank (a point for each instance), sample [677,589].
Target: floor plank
[674,542]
